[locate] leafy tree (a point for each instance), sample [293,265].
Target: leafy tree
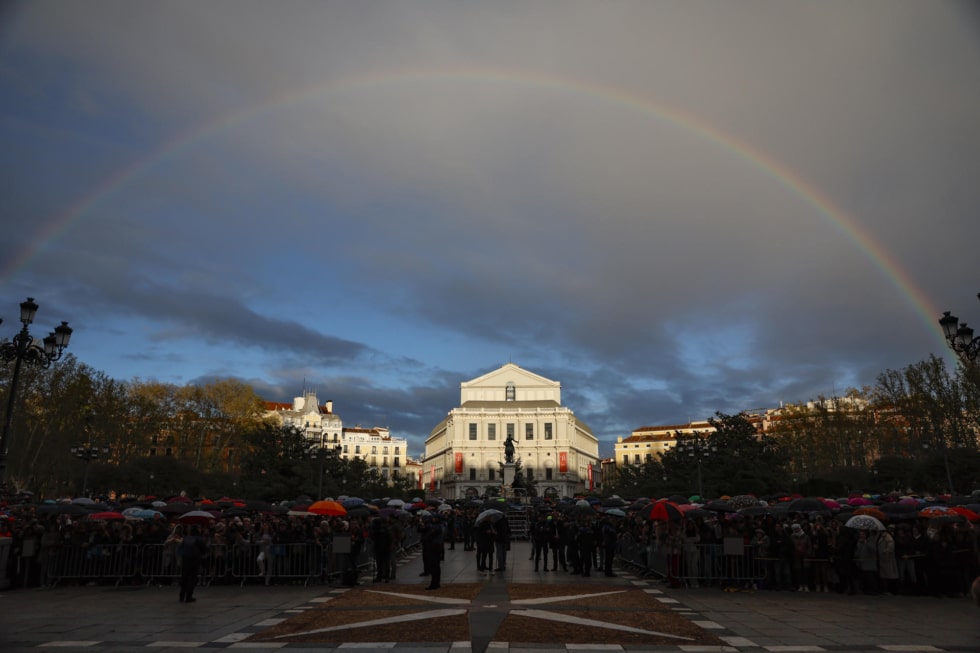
[646,480]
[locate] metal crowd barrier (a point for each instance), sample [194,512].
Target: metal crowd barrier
[159,563]
[729,563]
[641,557]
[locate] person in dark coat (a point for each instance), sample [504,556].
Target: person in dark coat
[502,543]
[486,535]
[381,540]
[191,551]
[610,536]
[432,550]
[586,546]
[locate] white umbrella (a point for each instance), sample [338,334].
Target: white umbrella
[396,503]
[491,514]
[865,523]
[444,507]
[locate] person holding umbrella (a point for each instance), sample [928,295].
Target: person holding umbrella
[191,550]
[432,550]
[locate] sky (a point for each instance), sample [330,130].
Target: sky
[672,208]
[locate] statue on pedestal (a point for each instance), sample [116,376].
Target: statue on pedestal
[509,449]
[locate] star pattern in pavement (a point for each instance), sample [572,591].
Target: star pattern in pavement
[516,607]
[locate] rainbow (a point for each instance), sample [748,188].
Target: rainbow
[765,164]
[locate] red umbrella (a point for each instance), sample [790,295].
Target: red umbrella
[106,516]
[934,511]
[966,512]
[328,508]
[661,511]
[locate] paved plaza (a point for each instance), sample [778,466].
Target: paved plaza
[144,618]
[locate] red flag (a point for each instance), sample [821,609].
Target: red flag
[590,476]
[459,463]
[562,462]
[432,479]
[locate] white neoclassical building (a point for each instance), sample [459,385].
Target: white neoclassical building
[321,425]
[555,448]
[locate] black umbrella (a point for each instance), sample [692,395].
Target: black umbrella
[699,513]
[678,499]
[807,504]
[755,511]
[62,509]
[613,502]
[719,506]
[176,508]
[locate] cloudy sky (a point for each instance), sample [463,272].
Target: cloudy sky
[672,208]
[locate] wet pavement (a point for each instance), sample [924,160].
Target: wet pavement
[149,618]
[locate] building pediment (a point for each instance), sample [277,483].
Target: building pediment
[510,373]
[510,383]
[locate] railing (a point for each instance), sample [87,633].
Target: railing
[159,563]
[730,563]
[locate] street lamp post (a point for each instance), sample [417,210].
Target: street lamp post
[24,348]
[960,337]
[88,453]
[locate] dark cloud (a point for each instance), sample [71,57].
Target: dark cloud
[672,211]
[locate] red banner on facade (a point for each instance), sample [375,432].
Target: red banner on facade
[421,485]
[458,467]
[562,462]
[432,479]
[591,487]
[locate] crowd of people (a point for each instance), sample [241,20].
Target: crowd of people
[812,551]
[779,550]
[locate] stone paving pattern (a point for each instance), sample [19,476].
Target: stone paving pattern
[151,619]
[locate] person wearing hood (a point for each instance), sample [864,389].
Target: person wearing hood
[802,552]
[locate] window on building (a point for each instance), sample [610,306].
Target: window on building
[384,450]
[491,431]
[472,430]
[547,431]
[169,452]
[153,451]
[530,473]
[547,473]
[511,392]
[472,473]
[510,431]
[395,462]
[357,448]
[374,449]
[529,431]
[491,473]
[397,451]
[649,458]
[636,459]
[345,449]
[626,459]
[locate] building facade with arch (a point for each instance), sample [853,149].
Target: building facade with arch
[556,450]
